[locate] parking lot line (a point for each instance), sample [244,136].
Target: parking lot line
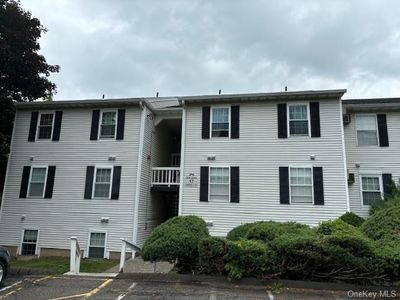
[10,286]
[88,294]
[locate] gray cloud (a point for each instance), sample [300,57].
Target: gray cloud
[136,48]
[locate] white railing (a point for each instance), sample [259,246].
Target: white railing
[165,176]
[124,246]
[175,159]
[76,255]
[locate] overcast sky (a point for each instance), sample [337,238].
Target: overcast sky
[136,48]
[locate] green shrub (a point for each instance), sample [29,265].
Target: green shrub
[391,199]
[176,239]
[268,231]
[336,226]
[352,219]
[388,249]
[248,258]
[384,222]
[212,255]
[240,232]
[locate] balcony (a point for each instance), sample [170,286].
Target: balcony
[165,178]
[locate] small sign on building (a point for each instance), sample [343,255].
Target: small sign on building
[191,180]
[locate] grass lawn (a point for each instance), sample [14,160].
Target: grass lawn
[60,265]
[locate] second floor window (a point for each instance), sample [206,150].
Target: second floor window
[301,185]
[102,183]
[367,133]
[38,179]
[107,126]
[298,120]
[220,122]
[45,126]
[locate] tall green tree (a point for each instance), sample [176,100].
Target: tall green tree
[23,71]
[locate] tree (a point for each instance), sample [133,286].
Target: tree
[23,71]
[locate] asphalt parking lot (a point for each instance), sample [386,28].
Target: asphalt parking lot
[64,287]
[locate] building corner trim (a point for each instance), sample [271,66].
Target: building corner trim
[183,144]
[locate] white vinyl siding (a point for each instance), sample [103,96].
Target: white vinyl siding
[301,185]
[108,124]
[102,183]
[371,189]
[367,130]
[220,121]
[37,181]
[29,242]
[45,127]
[97,245]
[219,184]
[298,120]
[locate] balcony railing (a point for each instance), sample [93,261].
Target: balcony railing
[165,176]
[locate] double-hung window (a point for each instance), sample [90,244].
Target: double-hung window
[219,183]
[97,245]
[367,132]
[29,242]
[301,187]
[37,181]
[371,189]
[45,126]
[107,125]
[220,122]
[102,185]
[298,119]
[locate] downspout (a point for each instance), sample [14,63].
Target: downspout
[183,141]
[139,172]
[344,156]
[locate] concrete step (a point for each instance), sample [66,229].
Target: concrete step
[138,265]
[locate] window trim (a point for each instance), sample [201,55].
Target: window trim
[94,181]
[377,129]
[308,119]
[30,179]
[312,184]
[38,126]
[105,254]
[229,121]
[373,174]
[209,181]
[99,138]
[22,240]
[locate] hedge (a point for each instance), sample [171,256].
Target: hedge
[212,255]
[240,232]
[385,222]
[352,219]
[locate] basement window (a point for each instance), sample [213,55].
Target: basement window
[97,245]
[29,242]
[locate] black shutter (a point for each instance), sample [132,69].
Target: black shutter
[121,124]
[57,125]
[387,184]
[89,182]
[203,184]
[284,185]
[116,182]
[51,172]
[205,128]
[94,131]
[235,116]
[315,120]
[32,127]
[382,130]
[235,189]
[282,121]
[318,186]
[24,182]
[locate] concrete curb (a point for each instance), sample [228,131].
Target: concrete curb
[28,271]
[219,280]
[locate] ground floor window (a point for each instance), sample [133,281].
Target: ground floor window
[29,242]
[97,244]
[371,189]
[219,184]
[301,187]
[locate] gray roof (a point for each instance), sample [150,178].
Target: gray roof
[371,104]
[371,101]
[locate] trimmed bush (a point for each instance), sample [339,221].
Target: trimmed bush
[212,255]
[384,222]
[388,249]
[352,219]
[240,232]
[248,258]
[336,226]
[268,231]
[176,239]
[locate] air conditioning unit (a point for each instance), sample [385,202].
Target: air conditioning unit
[350,178]
[346,119]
